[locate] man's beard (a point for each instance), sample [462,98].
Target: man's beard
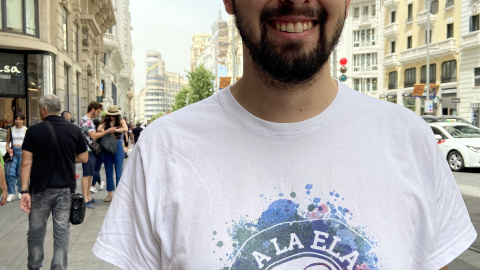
[289,65]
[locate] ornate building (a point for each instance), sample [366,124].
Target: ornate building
[51,47]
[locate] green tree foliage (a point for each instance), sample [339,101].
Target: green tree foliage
[201,86]
[181,99]
[156,116]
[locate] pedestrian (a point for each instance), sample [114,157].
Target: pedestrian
[15,137]
[113,120]
[48,178]
[67,115]
[288,168]
[90,134]
[3,184]
[136,132]
[98,165]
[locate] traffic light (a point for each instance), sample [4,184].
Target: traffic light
[343,69]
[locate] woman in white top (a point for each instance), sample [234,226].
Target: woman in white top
[15,137]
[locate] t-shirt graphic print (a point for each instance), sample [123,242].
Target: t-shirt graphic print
[290,235]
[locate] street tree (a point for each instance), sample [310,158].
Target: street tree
[156,116]
[200,83]
[181,98]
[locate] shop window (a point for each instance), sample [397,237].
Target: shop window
[392,80]
[12,74]
[432,71]
[19,16]
[449,71]
[409,77]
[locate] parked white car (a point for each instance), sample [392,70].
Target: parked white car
[460,144]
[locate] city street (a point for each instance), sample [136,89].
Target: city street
[14,227]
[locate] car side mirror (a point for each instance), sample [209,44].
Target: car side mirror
[438,137]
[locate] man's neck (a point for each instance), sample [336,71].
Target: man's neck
[89,115]
[287,105]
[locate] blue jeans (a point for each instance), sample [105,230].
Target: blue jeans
[117,160]
[12,170]
[57,202]
[96,174]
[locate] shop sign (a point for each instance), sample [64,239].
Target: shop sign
[7,71]
[455,100]
[12,79]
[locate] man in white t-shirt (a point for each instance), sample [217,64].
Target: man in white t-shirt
[288,168]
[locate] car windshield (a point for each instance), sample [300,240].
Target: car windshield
[462,131]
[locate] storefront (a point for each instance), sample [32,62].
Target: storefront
[24,77]
[449,101]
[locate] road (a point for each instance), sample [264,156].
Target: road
[469,184]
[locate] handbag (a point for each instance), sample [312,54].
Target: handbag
[7,158]
[95,147]
[77,208]
[77,211]
[109,144]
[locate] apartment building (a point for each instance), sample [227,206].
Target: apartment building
[234,57]
[412,36]
[50,47]
[117,63]
[160,89]
[199,43]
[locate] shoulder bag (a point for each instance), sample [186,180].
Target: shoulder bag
[94,146]
[7,157]
[109,144]
[77,209]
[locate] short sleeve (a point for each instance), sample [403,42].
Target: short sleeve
[453,229]
[127,238]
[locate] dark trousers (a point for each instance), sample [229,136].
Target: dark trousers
[57,202]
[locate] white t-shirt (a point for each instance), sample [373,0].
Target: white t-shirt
[362,185]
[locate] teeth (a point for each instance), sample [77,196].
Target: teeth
[290,28]
[293,27]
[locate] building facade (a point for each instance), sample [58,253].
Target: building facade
[234,58]
[117,63]
[160,89]
[413,36]
[199,43]
[50,47]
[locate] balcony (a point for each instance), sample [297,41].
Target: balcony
[422,18]
[390,60]
[471,40]
[390,3]
[438,49]
[111,40]
[391,30]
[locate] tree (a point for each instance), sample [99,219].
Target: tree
[156,116]
[200,87]
[181,99]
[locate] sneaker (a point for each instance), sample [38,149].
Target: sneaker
[89,205]
[93,189]
[19,196]
[10,197]
[93,201]
[102,185]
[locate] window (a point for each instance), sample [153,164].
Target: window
[410,13]
[77,47]
[392,80]
[392,47]
[365,62]
[450,30]
[474,23]
[409,42]
[356,13]
[66,87]
[449,71]
[364,38]
[449,3]
[366,13]
[393,15]
[365,84]
[409,77]
[374,12]
[14,14]
[429,37]
[65,28]
[432,71]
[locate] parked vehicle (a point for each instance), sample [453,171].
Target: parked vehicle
[429,118]
[452,118]
[459,143]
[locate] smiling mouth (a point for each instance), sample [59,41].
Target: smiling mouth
[293,27]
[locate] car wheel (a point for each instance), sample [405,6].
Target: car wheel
[455,160]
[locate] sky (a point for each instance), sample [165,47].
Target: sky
[168,27]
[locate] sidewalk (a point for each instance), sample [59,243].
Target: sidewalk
[14,227]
